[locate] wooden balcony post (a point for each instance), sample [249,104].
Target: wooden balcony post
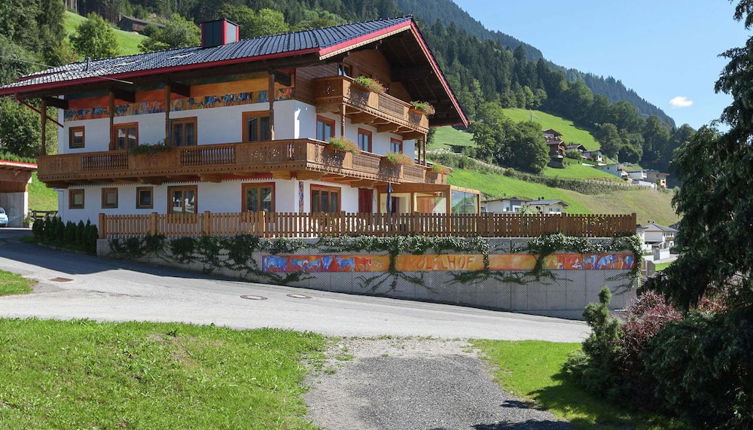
[111,112]
[43,136]
[153,224]
[102,226]
[448,210]
[168,91]
[271,98]
[206,223]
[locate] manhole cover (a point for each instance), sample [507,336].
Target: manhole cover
[251,297]
[59,279]
[298,296]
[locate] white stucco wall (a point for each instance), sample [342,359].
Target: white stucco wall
[215,197]
[16,206]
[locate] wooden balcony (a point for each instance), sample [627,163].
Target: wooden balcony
[385,112]
[302,158]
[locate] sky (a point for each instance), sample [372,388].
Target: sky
[665,50]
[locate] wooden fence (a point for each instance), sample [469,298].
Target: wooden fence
[280,224]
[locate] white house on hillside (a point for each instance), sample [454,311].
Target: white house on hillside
[548,206]
[504,204]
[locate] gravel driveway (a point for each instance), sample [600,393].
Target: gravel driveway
[399,383]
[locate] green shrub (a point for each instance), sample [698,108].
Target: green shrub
[370,84]
[595,366]
[398,159]
[343,145]
[150,149]
[573,153]
[702,369]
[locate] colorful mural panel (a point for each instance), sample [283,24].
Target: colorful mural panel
[325,263]
[517,262]
[431,263]
[443,262]
[176,105]
[608,262]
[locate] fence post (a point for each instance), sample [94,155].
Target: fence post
[153,223]
[262,223]
[102,226]
[206,223]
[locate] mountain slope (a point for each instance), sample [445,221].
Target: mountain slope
[570,132]
[448,13]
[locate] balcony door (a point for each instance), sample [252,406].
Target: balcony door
[183,131]
[257,126]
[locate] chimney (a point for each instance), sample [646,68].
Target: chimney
[219,32]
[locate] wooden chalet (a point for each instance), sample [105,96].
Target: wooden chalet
[237,126]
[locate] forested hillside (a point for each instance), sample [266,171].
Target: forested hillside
[448,13]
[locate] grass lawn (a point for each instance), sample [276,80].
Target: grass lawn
[128,42]
[41,198]
[447,134]
[532,370]
[82,374]
[579,171]
[570,133]
[647,204]
[661,266]
[10,283]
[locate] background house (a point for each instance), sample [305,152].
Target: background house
[504,204]
[14,197]
[593,155]
[657,177]
[547,206]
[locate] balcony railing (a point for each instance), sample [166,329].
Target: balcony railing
[300,155]
[333,92]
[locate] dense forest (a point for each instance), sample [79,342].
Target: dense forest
[480,69]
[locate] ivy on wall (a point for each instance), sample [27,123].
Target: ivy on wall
[236,253]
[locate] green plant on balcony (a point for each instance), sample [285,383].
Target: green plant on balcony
[370,84]
[150,149]
[440,169]
[424,107]
[398,159]
[342,144]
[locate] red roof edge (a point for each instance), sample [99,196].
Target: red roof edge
[19,163]
[438,72]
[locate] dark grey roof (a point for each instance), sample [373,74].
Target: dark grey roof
[288,43]
[547,202]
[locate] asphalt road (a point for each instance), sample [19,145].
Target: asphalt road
[112,290]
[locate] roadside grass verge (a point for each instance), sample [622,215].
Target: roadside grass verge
[10,283]
[661,266]
[83,374]
[532,370]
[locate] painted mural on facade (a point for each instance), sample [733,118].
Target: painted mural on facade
[443,262]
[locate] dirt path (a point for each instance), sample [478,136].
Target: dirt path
[398,383]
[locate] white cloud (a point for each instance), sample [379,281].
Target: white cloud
[681,102]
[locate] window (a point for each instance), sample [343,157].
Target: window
[183,131]
[344,70]
[258,197]
[76,137]
[182,200]
[75,199]
[325,199]
[126,135]
[325,128]
[145,197]
[109,198]
[364,140]
[396,146]
[256,126]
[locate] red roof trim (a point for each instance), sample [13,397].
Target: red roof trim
[51,85]
[438,72]
[360,39]
[19,163]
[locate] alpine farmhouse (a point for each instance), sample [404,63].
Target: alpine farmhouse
[245,126]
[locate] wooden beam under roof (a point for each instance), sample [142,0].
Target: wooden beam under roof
[124,95]
[56,102]
[180,89]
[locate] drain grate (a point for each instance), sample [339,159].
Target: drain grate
[59,279]
[252,297]
[298,296]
